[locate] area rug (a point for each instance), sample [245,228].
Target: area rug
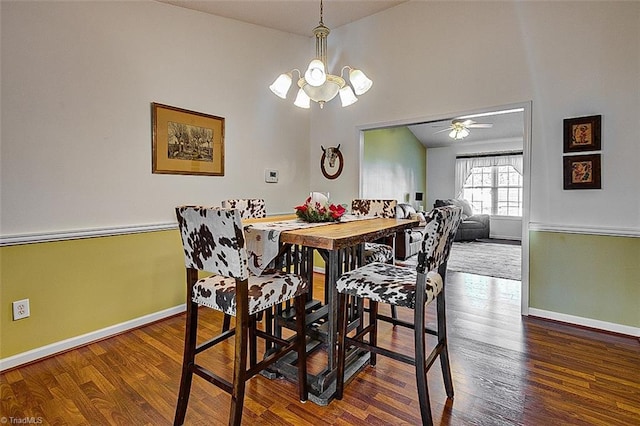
[482,258]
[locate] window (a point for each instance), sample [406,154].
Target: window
[494,190]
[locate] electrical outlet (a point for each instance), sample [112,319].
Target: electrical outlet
[21,309]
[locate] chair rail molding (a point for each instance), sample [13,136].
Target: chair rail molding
[587,230]
[45,237]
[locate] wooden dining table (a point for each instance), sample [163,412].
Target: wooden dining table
[340,244]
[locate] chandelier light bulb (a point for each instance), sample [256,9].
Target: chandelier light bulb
[315,75]
[281,86]
[347,97]
[361,83]
[302,100]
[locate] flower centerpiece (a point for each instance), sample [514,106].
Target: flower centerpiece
[317,209]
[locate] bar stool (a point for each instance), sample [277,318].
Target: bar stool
[377,251]
[213,241]
[411,288]
[249,208]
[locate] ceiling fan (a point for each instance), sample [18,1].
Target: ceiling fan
[459,129]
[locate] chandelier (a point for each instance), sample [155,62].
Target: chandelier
[316,84]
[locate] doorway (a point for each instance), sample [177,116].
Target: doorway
[510,129]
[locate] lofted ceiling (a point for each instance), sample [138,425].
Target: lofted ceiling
[508,125]
[301,16]
[293,16]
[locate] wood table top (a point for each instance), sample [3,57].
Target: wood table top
[334,236]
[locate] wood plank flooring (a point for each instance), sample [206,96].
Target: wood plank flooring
[507,370]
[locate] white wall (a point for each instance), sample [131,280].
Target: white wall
[78,79]
[569,58]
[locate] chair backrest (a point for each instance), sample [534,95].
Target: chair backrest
[441,227]
[249,207]
[213,240]
[374,208]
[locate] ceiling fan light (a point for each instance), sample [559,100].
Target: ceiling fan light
[463,133]
[302,100]
[361,83]
[315,74]
[281,86]
[347,97]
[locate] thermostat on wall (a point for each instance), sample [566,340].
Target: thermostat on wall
[271,176]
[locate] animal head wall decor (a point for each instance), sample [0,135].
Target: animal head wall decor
[331,156]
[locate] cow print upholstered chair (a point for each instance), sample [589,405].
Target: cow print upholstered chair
[250,208]
[411,288]
[377,251]
[213,241]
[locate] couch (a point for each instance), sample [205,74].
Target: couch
[408,241]
[473,226]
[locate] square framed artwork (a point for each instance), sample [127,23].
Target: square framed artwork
[582,171]
[582,134]
[187,142]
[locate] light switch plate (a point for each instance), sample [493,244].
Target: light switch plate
[271,176]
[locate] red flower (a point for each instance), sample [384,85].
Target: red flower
[336,211]
[303,208]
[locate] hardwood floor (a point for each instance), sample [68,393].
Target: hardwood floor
[507,370]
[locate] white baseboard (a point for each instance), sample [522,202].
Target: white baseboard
[64,345]
[586,322]
[505,237]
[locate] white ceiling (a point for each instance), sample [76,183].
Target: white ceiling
[293,16]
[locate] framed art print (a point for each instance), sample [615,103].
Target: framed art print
[582,134]
[582,171]
[187,142]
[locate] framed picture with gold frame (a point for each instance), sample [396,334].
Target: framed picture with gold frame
[187,142]
[582,171]
[582,134]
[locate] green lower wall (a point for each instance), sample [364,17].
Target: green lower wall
[589,276]
[80,286]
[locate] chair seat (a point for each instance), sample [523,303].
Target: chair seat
[376,252]
[268,289]
[386,283]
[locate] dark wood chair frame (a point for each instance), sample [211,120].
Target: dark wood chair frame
[422,360]
[245,330]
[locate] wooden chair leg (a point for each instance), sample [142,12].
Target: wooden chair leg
[190,337]
[373,334]
[240,361]
[342,332]
[226,322]
[442,338]
[253,341]
[394,313]
[421,367]
[300,304]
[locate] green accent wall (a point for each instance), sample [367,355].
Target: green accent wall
[394,164]
[81,286]
[589,276]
